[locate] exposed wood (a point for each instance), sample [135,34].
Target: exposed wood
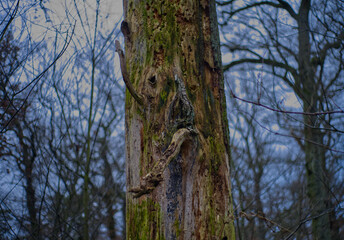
[154,177]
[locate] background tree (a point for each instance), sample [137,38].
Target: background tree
[267,175]
[55,136]
[295,52]
[176,126]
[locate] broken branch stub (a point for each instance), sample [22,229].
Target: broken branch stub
[125,74]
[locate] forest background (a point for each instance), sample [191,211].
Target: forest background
[62,118]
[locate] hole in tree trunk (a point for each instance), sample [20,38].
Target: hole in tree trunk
[152,81]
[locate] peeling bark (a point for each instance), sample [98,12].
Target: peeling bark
[177,140]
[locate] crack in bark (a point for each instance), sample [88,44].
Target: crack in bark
[149,182]
[180,120]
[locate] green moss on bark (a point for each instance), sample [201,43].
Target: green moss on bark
[145,219]
[217,151]
[160,30]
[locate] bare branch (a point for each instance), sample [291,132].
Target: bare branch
[283,111]
[328,46]
[38,78]
[265,61]
[299,138]
[307,220]
[288,8]
[9,21]
[282,4]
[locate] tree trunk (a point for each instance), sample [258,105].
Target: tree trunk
[314,151]
[176,127]
[27,166]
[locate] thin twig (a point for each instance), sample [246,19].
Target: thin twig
[306,220]
[295,137]
[37,79]
[283,111]
[268,221]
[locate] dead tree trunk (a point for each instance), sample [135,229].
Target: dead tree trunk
[176,127]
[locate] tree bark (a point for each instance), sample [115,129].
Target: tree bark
[177,138]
